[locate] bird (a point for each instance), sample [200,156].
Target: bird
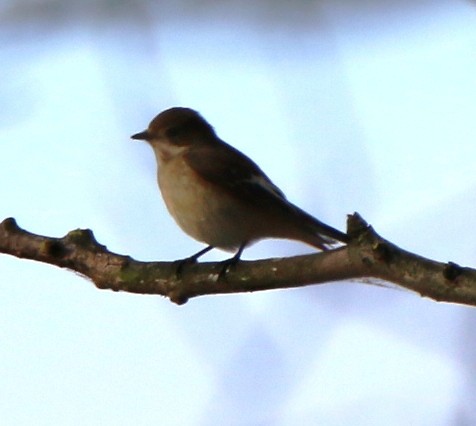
[218,195]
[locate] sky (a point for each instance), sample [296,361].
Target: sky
[346,107]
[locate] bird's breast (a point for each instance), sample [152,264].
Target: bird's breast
[196,205]
[182,193]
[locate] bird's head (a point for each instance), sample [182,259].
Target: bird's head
[180,127]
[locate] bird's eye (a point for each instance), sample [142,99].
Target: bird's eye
[172,132]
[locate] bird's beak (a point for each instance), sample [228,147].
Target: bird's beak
[143,136]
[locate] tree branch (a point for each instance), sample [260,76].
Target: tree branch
[367,255]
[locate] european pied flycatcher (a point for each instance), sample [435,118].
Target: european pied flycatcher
[218,195]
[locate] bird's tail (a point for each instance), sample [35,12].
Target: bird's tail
[317,233]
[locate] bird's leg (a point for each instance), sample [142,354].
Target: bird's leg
[189,260]
[232,261]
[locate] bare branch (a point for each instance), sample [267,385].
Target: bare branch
[367,255]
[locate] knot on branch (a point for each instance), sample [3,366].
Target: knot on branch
[10,225]
[54,248]
[452,271]
[356,225]
[83,238]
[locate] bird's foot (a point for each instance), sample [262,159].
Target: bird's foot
[226,265]
[180,264]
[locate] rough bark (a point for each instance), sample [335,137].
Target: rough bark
[366,256]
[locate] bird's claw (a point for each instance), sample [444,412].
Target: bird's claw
[180,265]
[225,267]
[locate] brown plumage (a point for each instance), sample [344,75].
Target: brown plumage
[218,195]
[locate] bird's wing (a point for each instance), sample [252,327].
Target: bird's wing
[234,172]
